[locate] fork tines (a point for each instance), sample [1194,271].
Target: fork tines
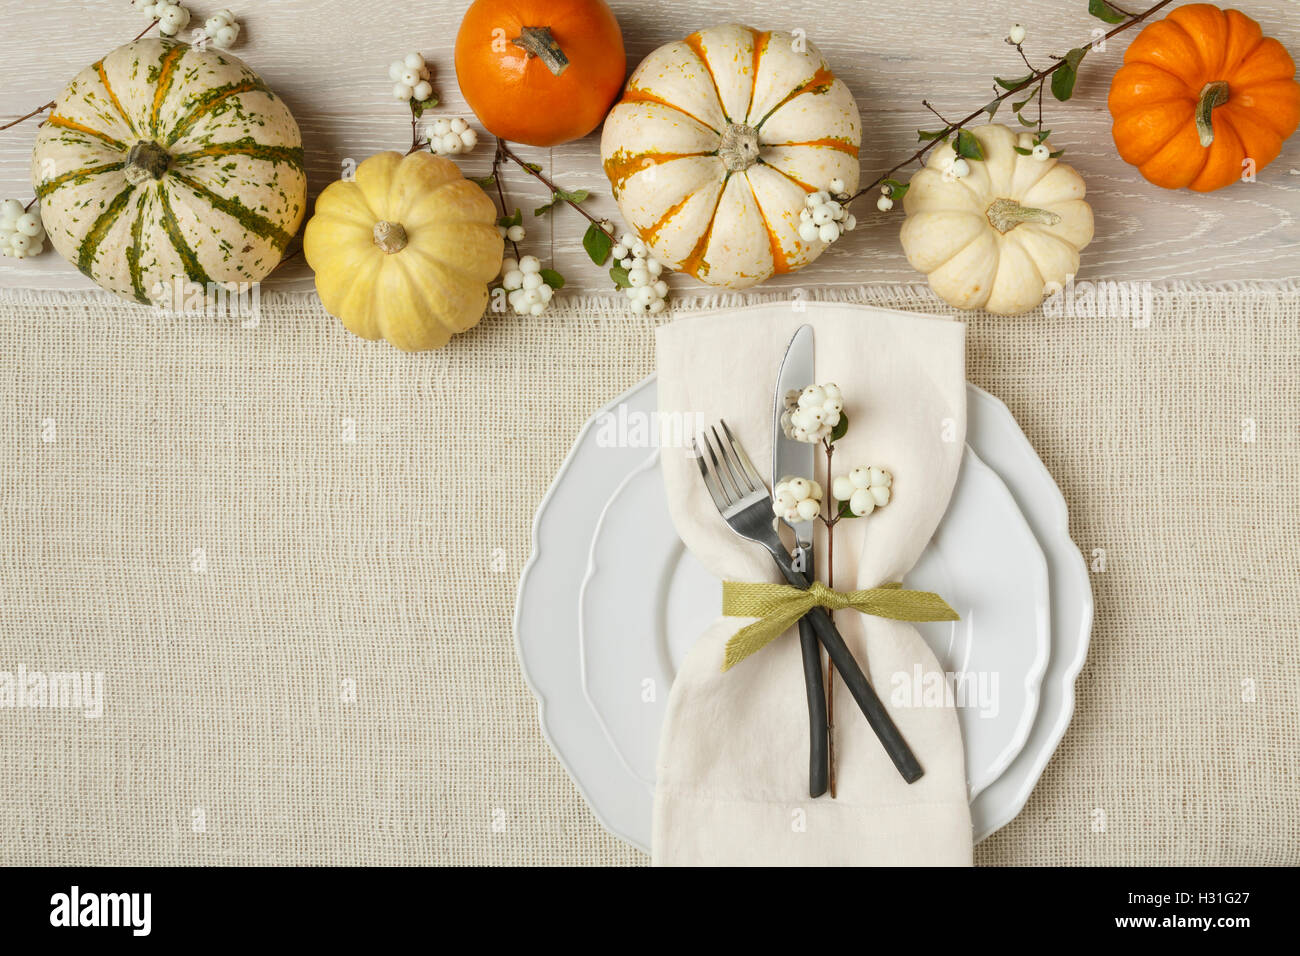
[733,482]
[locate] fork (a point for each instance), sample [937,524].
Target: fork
[746,507]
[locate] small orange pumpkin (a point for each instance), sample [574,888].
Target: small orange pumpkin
[1200,93]
[540,72]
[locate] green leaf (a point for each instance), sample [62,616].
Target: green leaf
[560,196]
[925,135]
[486,182]
[1058,153]
[1017,107]
[897,190]
[991,107]
[845,512]
[1013,84]
[968,147]
[535,167]
[1065,75]
[1104,11]
[841,428]
[1041,135]
[516,220]
[552,278]
[1023,151]
[619,275]
[597,243]
[1026,122]
[419,106]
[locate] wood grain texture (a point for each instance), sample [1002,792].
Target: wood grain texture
[329,59]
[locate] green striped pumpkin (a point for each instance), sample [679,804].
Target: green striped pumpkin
[163,161]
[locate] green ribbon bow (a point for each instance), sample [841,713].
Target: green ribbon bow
[779,606]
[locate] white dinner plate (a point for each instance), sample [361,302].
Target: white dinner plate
[546,617]
[645,599]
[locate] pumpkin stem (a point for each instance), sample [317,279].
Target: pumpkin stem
[1214,94]
[739,147]
[146,160]
[1005,214]
[537,41]
[390,236]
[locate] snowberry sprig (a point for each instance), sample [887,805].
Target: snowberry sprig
[824,215]
[528,286]
[814,415]
[222,29]
[797,499]
[447,137]
[172,17]
[638,275]
[410,76]
[862,490]
[22,235]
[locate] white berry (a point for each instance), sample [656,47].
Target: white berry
[808,232]
[226,36]
[530,263]
[960,168]
[884,204]
[1041,152]
[861,503]
[837,186]
[401,91]
[1017,34]
[29,224]
[422,91]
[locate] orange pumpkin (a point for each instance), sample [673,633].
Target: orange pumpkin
[540,72]
[1200,93]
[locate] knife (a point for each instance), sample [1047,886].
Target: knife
[795,458]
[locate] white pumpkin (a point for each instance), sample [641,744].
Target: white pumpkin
[164,162]
[717,142]
[998,237]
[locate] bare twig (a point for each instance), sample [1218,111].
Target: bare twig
[145,30]
[830,583]
[496,178]
[35,112]
[506,152]
[1038,76]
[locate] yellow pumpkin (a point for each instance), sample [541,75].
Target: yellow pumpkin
[404,251]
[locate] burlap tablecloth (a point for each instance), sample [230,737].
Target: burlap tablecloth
[294,554]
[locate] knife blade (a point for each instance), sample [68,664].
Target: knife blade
[792,458]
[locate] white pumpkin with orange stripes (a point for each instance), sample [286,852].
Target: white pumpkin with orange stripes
[165,162]
[717,142]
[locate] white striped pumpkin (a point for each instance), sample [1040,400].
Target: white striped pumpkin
[163,162]
[717,142]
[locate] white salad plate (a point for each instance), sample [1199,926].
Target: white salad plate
[645,599]
[547,616]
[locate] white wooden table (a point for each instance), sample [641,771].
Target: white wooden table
[329,60]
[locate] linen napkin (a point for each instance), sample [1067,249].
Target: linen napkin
[732,773]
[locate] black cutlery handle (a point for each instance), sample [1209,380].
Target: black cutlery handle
[856,681]
[818,747]
[865,695]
